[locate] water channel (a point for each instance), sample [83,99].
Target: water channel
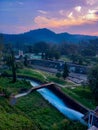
[59,104]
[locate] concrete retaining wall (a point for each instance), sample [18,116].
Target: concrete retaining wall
[68,100]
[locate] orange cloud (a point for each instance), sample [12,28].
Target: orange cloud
[43,21]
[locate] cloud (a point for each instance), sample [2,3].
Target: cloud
[78,8]
[42,11]
[51,22]
[70,15]
[91,15]
[61,12]
[42,21]
[91,2]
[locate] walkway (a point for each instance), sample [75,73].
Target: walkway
[33,89]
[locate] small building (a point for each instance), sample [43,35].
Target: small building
[20,53]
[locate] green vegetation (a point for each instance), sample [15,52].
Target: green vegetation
[14,87]
[30,73]
[11,118]
[93,81]
[65,71]
[56,80]
[41,76]
[44,115]
[39,110]
[82,95]
[65,58]
[69,125]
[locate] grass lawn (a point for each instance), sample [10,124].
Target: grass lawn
[52,78]
[32,73]
[66,59]
[82,95]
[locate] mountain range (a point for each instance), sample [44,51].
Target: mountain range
[46,35]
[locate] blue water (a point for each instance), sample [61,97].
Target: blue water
[59,104]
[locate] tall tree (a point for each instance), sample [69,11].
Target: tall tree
[65,71]
[13,66]
[26,60]
[10,61]
[1,44]
[93,80]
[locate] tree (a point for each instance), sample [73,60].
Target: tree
[26,60]
[65,71]
[93,80]
[10,61]
[13,66]
[1,44]
[40,47]
[57,55]
[88,52]
[58,74]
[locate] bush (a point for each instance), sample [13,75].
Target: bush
[58,75]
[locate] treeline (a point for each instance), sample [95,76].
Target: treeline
[76,52]
[84,48]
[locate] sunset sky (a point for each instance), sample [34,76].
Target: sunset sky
[73,16]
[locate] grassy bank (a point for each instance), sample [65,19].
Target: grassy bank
[39,110]
[82,95]
[40,75]
[52,78]
[28,72]
[14,88]
[31,73]
[11,118]
[44,115]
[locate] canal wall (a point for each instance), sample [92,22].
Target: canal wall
[70,102]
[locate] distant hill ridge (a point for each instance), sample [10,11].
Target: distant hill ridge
[46,35]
